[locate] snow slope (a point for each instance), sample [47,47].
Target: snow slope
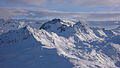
[60,45]
[117,30]
[19,49]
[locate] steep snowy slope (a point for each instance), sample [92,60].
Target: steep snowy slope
[19,49]
[60,45]
[102,32]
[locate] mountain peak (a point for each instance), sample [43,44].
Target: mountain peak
[58,23]
[53,25]
[54,21]
[57,20]
[79,28]
[80,24]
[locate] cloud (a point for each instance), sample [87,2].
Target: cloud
[27,2]
[8,13]
[79,3]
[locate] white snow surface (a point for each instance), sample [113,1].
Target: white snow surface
[60,45]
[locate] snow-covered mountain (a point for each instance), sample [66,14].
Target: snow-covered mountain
[60,44]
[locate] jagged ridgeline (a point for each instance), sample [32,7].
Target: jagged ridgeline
[60,44]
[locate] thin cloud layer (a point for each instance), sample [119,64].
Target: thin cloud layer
[66,3]
[8,13]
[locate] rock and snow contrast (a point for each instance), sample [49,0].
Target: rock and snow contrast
[60,44]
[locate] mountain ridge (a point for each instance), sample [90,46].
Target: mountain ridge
[79,47]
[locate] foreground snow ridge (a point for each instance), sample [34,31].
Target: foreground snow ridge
[60,44]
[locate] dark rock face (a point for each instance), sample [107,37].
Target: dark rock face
[117,64]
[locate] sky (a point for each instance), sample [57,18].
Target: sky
[90,10]
[65,5]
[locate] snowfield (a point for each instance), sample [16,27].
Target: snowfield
[60,44]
